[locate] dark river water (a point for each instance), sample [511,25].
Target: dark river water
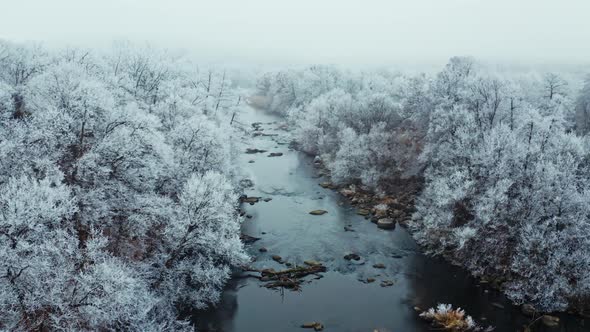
[340,300]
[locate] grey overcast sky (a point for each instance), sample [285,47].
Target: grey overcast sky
[336,31]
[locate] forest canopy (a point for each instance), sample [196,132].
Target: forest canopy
[118,203]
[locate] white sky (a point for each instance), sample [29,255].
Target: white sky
[336,31]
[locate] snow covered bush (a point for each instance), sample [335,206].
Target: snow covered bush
[454,320]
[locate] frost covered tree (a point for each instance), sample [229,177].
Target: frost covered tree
[504,196]
[583,109]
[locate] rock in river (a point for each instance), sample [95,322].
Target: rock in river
[379,266]
[386,223]
[528,310]
[247,239]
[277,258]
[318,212]
[251,199]
[550,321]
[363,212]
[275,154]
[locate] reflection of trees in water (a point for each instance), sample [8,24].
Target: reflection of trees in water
[219,318]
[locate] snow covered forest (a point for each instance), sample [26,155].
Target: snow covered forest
[118,196]
[119,181]
[502,158]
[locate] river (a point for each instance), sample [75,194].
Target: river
[340,300]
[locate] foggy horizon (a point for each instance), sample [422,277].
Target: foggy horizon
[353,33]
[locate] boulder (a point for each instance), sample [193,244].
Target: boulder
[386,223]
[318,212]
[263,249]
[363,212]
[379,266]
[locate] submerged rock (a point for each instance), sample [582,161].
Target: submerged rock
[497,305]
[379,266]
[263,249]
[313,325]
[312,263]
[275,154]
[318,212]
[254,150]
[352,257]
[386,283]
